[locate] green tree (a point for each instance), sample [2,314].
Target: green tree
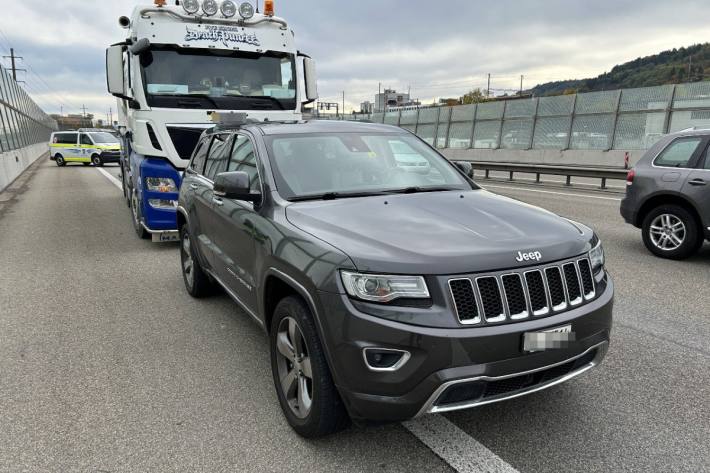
[474,96]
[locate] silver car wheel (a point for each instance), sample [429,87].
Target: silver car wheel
[188,264]
[294,368]
[667,232]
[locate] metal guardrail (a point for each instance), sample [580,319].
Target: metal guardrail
[568,171]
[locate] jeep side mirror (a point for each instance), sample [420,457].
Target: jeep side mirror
[235,185]
[465,167]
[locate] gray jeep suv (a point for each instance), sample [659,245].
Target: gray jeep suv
[387,290]
[668,195]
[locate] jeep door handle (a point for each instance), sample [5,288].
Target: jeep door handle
[697,182]
[217,201]
[194,187]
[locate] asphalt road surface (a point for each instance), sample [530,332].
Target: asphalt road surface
[107,365]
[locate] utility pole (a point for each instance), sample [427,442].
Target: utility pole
[83,108]
[12,58]
[379,96]
[521,84]
[110,114]
[343,104]
[488,90]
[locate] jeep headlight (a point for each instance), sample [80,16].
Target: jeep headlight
[596,256]
[160,184]
[384,288]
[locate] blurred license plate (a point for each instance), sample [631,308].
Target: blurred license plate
[558,337]
[166,237]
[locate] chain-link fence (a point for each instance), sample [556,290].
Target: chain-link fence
[22,122]
[627,119]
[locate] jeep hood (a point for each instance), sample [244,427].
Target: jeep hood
[440,233]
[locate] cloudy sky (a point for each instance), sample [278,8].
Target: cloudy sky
[439,49]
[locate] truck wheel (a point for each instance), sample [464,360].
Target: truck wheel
[137,216]
[304,385]
[670,231]
[59,159]
[97,161]
[197,283]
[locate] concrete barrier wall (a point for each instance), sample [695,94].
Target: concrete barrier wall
[571,157]
[13,163]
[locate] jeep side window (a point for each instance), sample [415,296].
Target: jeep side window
[244,159]
[707,158]
[85,140]
[679,153]
[217,156]
[198,160]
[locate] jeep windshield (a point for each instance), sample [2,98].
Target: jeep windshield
[341,165]
[219,79]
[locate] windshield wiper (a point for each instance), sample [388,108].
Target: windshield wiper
[190,99]
[335,196]
[259,97]
[418,190]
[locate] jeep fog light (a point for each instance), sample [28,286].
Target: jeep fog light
[384,288]
[160,184]
[163,204]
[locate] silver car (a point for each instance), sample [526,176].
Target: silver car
[668,195]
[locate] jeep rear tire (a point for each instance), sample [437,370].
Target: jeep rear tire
[197,283]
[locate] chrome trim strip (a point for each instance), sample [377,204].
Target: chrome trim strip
[402,361]
[234,296]
[592,294]
[474,321]
[498,318]
[157,232]
[429,407]
[545,310]
[563,305]
[522,315]
[579,299]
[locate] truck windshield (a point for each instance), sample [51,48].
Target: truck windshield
[340,165]
[219,79]
[104,138]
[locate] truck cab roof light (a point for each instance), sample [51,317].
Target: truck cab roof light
[191,6]
[160,3]
[246,10]
[210,7]
[269,7]
[228,8]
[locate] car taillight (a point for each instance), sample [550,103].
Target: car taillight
[630,177]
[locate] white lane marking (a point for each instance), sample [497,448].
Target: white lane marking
[525,189]
[113,180]
[461,451]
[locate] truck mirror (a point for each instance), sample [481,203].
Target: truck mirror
[309,71]
[140,46]
[114,71]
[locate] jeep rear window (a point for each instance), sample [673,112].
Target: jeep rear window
[316,164]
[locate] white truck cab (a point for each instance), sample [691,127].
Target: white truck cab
[181,60]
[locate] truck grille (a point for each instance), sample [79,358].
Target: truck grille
[184,139]
[517,296]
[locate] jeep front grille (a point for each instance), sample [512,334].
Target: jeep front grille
[513,296]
